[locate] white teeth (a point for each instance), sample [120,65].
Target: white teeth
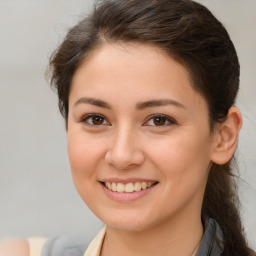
[108,185]
[137,186]
[114,187]
[120,187]
[129,187]
[144,185]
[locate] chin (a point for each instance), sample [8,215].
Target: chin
[134,222]
[127,226]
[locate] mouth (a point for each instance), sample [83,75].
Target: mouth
[128,187]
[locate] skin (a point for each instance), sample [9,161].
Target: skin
[126,142]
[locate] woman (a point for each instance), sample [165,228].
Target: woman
[147,90]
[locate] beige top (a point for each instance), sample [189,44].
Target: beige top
[35,245]
[95,246]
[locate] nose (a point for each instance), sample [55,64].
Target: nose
[124,151]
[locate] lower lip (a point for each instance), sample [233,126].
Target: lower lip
[126,197]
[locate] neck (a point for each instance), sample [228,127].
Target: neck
[173,237]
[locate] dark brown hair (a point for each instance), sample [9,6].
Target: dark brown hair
[189,33]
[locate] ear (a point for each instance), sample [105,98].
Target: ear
[226,137]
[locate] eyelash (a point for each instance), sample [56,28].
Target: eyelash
[166,118]
[91,116]
[169,120]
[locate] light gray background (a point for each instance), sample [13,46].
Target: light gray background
[37,196]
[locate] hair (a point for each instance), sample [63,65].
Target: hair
[188,32]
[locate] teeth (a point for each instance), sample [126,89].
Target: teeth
[144,185]
[120,187]
[129,187]
[114,187]
[150,184]
[108,185]
[137,186]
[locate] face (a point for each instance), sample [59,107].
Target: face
[139,140]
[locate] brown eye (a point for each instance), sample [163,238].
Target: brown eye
[97,120]
[159,120]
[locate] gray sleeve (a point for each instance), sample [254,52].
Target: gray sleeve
[63,246]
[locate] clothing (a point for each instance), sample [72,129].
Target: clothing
[94,247]
[210,245]
[35,245]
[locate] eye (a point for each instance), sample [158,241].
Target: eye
[160,120]
[95,119]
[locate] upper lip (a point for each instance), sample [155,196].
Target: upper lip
[128,180]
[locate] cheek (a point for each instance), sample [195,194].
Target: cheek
[84,155]
[182,160]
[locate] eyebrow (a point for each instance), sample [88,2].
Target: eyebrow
[158,103]
[93,101]
[139,105]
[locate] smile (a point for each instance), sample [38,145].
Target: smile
[128,187]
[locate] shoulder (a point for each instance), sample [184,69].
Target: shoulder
[14,247]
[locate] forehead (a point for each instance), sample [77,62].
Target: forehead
[132,71]
[127,57]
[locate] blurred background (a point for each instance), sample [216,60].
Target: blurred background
[37,196]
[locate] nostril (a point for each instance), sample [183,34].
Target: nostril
[124,159]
